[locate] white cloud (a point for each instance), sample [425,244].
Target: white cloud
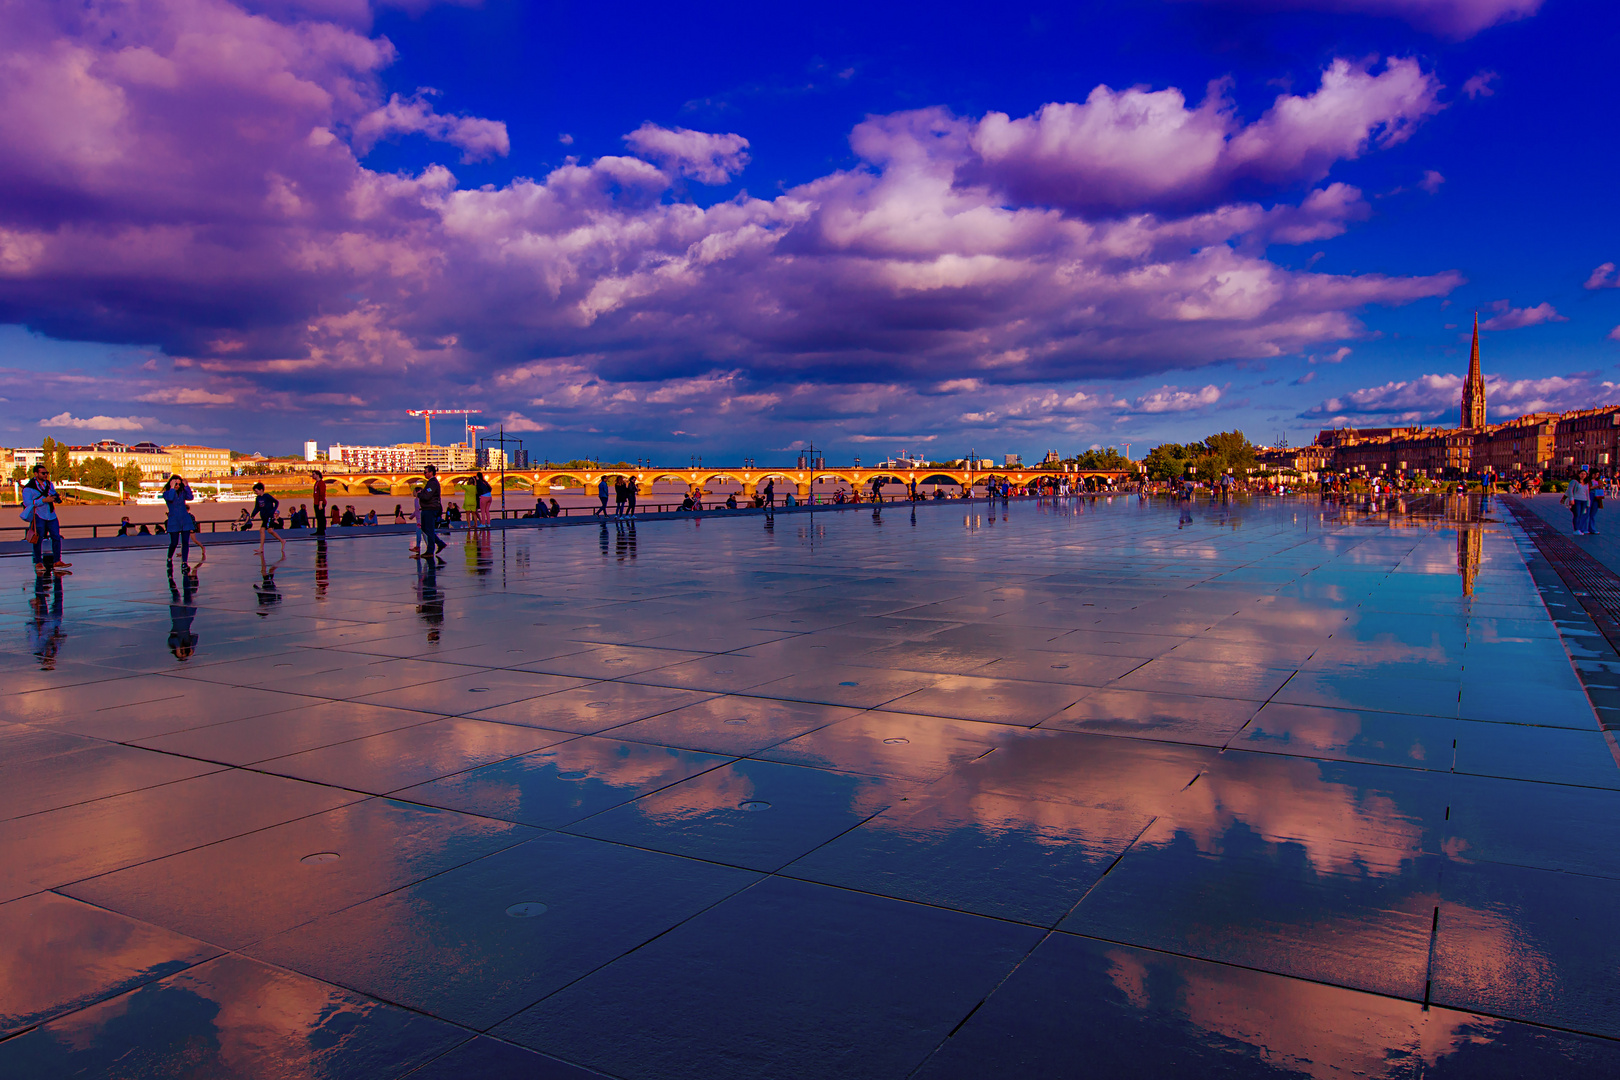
[99,423]
[705,157]
[1512,318]
[1335,357]
[1170,399]
[1482,84]
[1603,277]
[185,395]
[478,138]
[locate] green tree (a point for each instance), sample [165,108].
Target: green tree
[1168,461]
[1226,451]
[1100,459]
[131,476]
[98,472]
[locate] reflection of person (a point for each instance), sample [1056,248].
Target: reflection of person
[182,640]
[429,600]
[45,627]
[39,502]
[266,590]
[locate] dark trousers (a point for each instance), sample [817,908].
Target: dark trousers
[430,525]
[320,519]
[183,538]
[44,527]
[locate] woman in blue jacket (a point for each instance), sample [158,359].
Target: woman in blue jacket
[180,523]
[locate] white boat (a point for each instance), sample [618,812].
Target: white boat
[232,496]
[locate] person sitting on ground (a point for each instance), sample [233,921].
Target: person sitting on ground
[399,514]
[687,505]
[124,526]
[298,519]
[144,530]
[159,529]
[791,501]
[556,511]
[350,518]
[731,501]
[371,517]
[245,521]
[337,515]
[453,512]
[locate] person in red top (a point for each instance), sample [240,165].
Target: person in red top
[319,500]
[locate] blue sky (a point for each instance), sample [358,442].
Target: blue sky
[873,229]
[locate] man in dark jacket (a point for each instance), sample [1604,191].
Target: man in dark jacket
[432,508]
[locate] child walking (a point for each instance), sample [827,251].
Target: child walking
[265,506]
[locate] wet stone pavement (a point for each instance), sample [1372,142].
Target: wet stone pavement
[1037,790]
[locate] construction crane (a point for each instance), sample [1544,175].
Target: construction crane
[427,416]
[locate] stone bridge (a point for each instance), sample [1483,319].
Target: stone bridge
[700,481]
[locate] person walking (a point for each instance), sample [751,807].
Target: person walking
[486,498]
[1595,490]
[318,500]
[180,523]
[601,493]
[39,503]
[264,508]
[620,496]
[770,493]
[1577,495]
[432,507]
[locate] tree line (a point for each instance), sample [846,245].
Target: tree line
[96,472]
[1226,451]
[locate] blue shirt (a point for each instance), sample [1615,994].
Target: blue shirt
[39,502]
[179,519]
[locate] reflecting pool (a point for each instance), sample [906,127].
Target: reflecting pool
[1036,789]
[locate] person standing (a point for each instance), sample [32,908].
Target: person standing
[39,502]
[620,496]
[1576,495]
[432,507]
[631,489]
[318,500]
[180,523]
[264,508]
[1594,501]
[486,498]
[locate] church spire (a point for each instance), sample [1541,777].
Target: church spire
[1473,394]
